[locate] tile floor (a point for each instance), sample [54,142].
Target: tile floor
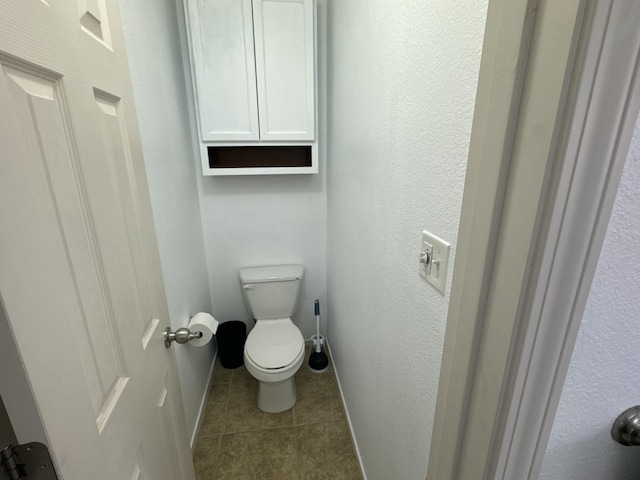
[311,441]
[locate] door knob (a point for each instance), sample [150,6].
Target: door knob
[182,335]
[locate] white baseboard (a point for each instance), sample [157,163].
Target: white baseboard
[346,412]
[203,403]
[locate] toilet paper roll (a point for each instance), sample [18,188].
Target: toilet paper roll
[205,323]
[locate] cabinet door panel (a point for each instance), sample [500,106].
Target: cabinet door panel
[224,69]
[284,42]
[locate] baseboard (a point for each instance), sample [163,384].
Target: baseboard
[203,403]
[346,412]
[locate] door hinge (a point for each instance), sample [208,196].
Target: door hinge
[30,461]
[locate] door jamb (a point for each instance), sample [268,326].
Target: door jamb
[504,55]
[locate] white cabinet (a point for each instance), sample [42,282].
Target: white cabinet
[254,70]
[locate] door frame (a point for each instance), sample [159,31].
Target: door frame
[558,97]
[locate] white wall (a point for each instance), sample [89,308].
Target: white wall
[153,46]
[602,380]
[402,79]
[250,221]
[268,220]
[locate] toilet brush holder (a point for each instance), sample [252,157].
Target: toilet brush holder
[318,360]
[314,340]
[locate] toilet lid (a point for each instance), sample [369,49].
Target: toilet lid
[274,344]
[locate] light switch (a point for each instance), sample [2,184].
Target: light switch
[434,260]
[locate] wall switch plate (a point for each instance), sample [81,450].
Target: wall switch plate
[434,260]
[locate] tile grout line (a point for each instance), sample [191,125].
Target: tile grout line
[335,420]
[218,455]
[226,407]
[295,444]
[295,436]
[224,424]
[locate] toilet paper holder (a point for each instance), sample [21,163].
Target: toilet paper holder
[182,335]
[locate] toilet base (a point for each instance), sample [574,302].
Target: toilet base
[275,397]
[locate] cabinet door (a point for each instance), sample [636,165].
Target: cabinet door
[224,69]
[285,58]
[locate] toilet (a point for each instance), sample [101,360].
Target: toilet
[274,349]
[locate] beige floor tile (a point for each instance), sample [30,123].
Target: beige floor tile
[318,399]
[240,374]
[325,452]
[260,455]
[243,413]
[220,374]
[205,457]
[215,411]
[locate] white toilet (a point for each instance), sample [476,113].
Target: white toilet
[274,349]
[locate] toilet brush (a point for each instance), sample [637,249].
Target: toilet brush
[318,361]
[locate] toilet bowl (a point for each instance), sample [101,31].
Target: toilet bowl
[274,349]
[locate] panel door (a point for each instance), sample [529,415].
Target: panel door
[221,34]
[285,65]
[80,280]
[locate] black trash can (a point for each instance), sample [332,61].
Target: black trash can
[231,336]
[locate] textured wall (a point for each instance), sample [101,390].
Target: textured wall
[402,79]
[153,46]
[268,220]
[602,380]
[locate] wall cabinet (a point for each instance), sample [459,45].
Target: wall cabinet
[254,68]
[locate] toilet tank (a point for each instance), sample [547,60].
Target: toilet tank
[271,292]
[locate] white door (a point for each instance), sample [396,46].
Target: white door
[80,281]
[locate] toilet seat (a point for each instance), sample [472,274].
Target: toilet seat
[274,345]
